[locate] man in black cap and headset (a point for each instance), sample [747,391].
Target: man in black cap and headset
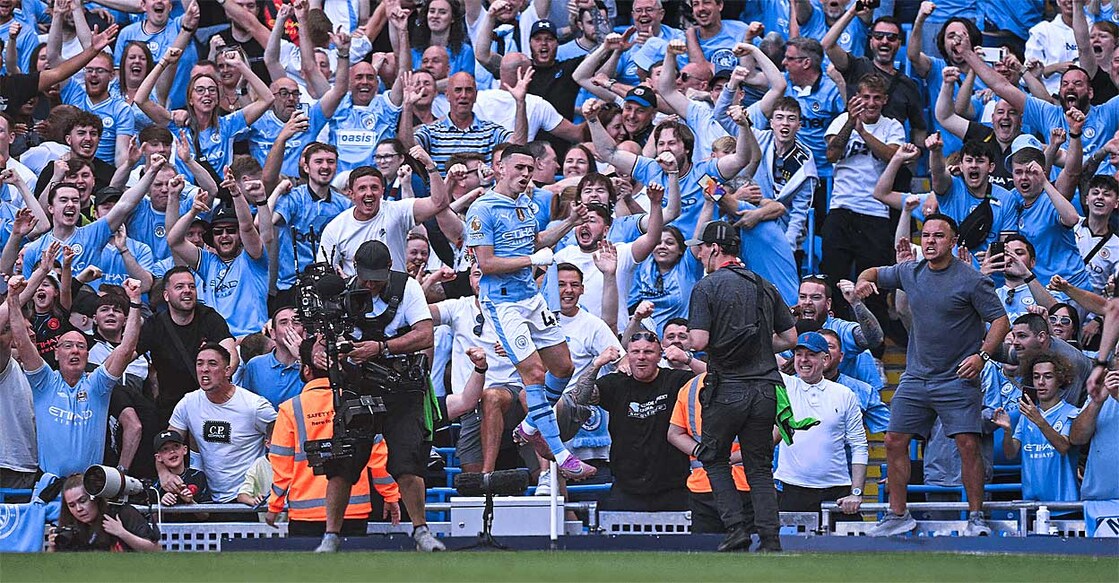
[392,322]
[740,320]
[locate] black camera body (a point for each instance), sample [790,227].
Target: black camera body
[66,537]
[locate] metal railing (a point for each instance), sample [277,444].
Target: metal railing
[1021,527]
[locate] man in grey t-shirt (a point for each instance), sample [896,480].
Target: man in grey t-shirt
[19,457]
[949,343]
[1030,336]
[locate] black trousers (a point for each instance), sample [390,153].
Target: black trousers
[853,243]
[800,499]
[705,514]
[746,411]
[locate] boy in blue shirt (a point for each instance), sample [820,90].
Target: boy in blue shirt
[71,405]
[1048,458]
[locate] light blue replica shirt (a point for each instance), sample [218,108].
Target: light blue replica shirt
[1046,474]
[264,131]
[237,289]
[509,226]
[355,129]
[87,242]
[116,118]
[303,216]
[70,421]
[216,142]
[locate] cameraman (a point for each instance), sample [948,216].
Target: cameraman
[86,524]
[395,321]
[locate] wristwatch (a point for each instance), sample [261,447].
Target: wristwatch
[856,491]
[986,357]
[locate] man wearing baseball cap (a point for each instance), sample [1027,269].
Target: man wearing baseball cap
[740,320]
[813,469]
[393,326]
[235,273]
[124,257]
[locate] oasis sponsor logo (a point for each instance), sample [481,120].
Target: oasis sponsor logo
[356,139]
[216,431]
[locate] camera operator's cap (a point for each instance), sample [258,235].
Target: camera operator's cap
[720,232]
[813,341]
[107,194]
[372,261]
[543,26]
[643,96]
[1021,143]
[168,436]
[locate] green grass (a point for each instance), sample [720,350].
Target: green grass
[543,566]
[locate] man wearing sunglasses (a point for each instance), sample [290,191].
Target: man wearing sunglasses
[234,274]
[903,100]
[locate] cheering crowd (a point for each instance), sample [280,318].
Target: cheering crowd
[528,192]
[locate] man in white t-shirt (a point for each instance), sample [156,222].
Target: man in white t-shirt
[587,337]
[590,236]
[1054,44]
[228,425]
[500,107]
[374,219]
[859,233]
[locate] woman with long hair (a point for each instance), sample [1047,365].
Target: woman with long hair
[442,23]
[86,523]
[666,278]
[135,64]
[577,162]
[209,134]
[1064,323]
[233,91]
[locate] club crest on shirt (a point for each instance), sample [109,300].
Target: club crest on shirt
[160,231]
[107,122]
[1104,253]
[54,324]
[1089,132]
[153,47]
[77,247]
[1059,425]
[521,341]
[82,396]
[369,121]
[816,106]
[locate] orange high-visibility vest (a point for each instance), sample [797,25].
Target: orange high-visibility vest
[310,416]
[687,415]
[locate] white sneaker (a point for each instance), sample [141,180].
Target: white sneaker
[976,525]
[425,541]
[544,484]
[330,543]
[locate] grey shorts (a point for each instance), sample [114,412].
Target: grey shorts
[469,446]
[918,403]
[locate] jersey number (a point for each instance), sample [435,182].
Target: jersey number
[548,318]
